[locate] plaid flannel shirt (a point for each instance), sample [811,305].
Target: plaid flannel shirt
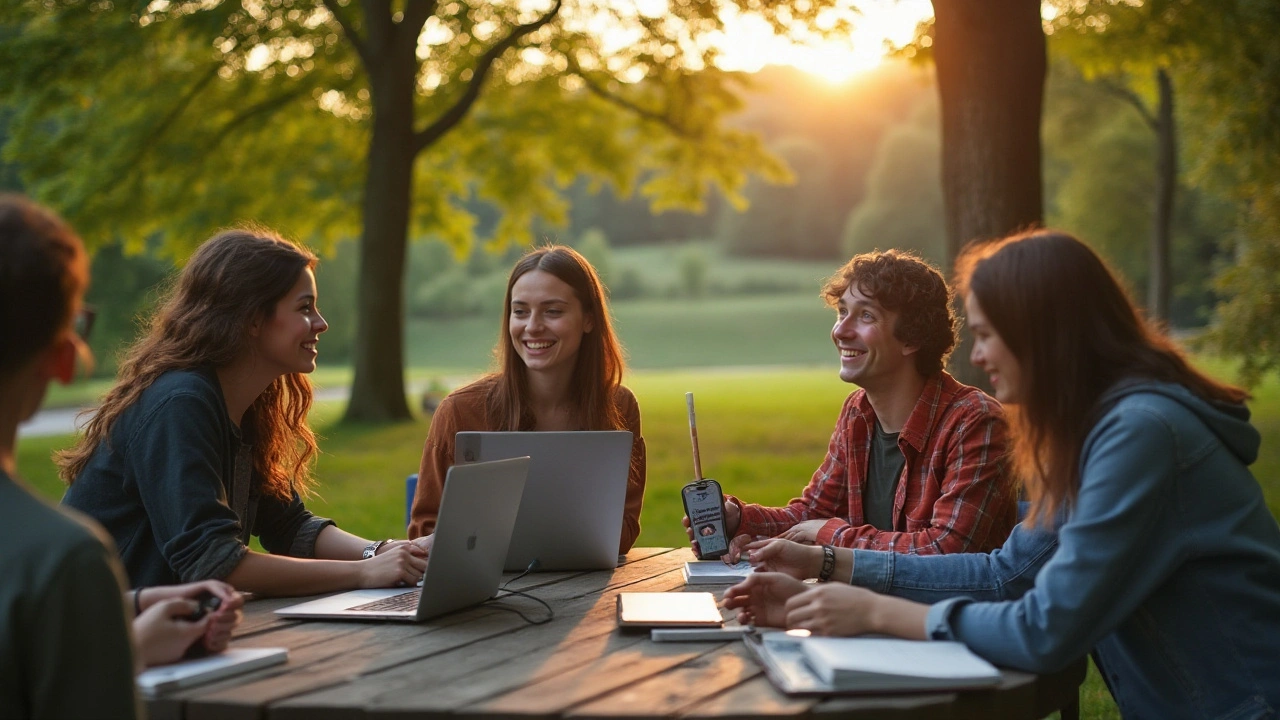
[951,497]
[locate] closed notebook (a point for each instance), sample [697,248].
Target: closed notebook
[672,609]
[890,664]
[715,572]
[188,673]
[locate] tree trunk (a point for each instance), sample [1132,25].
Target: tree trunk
[377,391]
[1159,281]
[991,64]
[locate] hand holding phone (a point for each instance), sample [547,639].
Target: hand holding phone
[704,506]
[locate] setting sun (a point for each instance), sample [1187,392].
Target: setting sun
[749,43]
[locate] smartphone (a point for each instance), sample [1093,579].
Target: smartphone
[704,506]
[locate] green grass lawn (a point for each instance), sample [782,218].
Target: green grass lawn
[763,431]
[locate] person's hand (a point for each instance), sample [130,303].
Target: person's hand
[804,532]
[791,558]
[832,609]
[738,547]
[163,633]
[400,566]
[425,542]
[223,621]
[761,598]
[151,595]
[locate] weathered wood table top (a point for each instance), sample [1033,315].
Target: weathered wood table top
[489,663]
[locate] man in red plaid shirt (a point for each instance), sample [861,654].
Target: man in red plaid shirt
[915,464]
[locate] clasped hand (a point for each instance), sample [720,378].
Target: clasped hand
[164,631]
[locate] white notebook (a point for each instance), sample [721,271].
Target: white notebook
[890,664]
[188,673]
[668,609]
[715,572]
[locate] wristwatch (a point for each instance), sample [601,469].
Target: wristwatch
[372,548]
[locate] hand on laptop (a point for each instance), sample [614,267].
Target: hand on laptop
[401,565]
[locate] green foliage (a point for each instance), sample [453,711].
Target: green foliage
[1226,66]
[186,116]
[124,290]
[903,206]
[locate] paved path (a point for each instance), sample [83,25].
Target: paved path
[63,421]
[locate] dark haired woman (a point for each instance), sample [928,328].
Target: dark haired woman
[1152,545]
[560,368]
[203,440]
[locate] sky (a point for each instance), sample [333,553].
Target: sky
[749,44]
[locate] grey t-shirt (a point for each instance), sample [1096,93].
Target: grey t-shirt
[884,466]
[64,635]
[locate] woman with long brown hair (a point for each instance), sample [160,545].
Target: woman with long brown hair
[1149,542]
[203,441]
[559,368]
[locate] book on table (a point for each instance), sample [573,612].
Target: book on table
[815,666]
[188,673]
[715,572]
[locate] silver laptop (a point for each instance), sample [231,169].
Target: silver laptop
[571,514]
[477,515]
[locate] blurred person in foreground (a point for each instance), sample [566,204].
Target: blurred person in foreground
[65,648]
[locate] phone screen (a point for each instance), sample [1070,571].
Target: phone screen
[704,505]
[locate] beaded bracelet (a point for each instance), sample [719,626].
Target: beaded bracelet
[828,563]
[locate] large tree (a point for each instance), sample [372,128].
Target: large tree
[990,60]
[383,117]
[991,66]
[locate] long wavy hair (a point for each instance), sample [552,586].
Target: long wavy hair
[597,372]
[232,281]
[1075,333]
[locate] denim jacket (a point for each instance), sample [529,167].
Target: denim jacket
[1167,567]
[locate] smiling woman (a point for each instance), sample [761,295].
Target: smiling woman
[203,441]
[559,368]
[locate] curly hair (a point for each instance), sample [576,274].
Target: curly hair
[233,280]
[903,283]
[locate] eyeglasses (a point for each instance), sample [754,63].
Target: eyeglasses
[84,322]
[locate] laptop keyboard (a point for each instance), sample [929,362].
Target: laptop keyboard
[404,601]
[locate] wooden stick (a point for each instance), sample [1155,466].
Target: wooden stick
[693,435]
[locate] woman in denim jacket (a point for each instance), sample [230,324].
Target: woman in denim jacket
[1148,541]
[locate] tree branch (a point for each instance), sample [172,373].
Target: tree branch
[266,107]
[1130,97]
[349,30]
[604,94]
[416,14]
[454,115]
[161,128]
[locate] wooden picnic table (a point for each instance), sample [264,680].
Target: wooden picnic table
[487,662]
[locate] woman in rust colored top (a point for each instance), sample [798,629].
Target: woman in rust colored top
[560,368]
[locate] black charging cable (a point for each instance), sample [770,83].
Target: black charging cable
[532,621]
